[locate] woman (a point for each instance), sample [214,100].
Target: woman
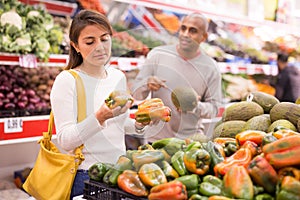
[102,132]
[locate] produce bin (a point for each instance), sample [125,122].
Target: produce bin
[94,190]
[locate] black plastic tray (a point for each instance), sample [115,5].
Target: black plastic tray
[94,190]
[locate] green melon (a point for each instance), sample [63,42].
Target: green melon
[266,101]
[243,110]
[282,123]
[229,128]
[285,110]
[184,98]
[260,123]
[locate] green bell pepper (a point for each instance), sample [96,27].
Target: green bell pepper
[230,148]
[191,183]
[197,161]
[98,170]
[178,164]
[111,176]
[198,197]
[171,145]
[213,180]
[194,144]
[263,196]
[216,153]
[141,157]
[208,189]
[169,171]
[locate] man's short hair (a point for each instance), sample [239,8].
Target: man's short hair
[282,57]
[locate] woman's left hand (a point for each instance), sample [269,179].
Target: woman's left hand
[104,113]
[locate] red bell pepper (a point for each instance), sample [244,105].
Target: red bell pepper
[174,190]
[130,182]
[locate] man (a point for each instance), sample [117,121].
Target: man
[287,86]
[181,65]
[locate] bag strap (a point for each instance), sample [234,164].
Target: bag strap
[81,110]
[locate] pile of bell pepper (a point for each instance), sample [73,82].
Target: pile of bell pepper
[253,166]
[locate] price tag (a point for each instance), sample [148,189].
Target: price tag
[28,60]
[13,125]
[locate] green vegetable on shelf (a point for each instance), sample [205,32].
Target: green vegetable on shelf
[98,170]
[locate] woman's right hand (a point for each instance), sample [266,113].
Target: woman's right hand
[104,112]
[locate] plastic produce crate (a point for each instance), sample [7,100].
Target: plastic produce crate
[94,190]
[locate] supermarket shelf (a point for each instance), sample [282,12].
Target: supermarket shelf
[55,60]
[54,7]
[185,8]
[32,127]
[128,64]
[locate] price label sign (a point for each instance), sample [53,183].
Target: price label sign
[28,61]
[13,125]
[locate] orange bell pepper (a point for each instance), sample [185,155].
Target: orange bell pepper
[289,171]
[284,133]
[241,157]
[250,135]
[238,184]
[283,152]
[263,174]
[174,190]
[151,175]
[130,182]
[289,189]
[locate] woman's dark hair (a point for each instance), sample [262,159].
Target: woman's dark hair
[80,21]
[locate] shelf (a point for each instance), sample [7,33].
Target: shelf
[29,60]
[54,7]
[32,126]
[183,7]
[128,64]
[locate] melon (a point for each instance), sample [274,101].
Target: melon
[184,98]
[266,101]
[259,123]
[243,110]
[285,110]
[229,128]
[282,123]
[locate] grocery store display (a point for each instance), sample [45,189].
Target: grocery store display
[26,29]
[253,170]
[25,91]
[256,161]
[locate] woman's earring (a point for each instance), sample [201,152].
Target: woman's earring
[78,53]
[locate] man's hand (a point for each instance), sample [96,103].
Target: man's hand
[154,83]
